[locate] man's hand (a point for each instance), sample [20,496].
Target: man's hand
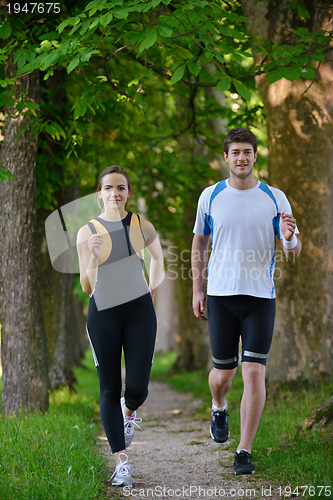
[288,226]
[199,305]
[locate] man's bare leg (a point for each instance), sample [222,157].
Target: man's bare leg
[253,402]
[219,383]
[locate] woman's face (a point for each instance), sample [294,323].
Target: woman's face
[114,191]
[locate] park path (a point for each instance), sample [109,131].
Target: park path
[175,457]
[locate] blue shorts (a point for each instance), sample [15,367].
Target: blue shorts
[240,316]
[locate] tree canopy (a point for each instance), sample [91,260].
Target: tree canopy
[137,76]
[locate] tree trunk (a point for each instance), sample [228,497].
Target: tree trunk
[64,324]
[23,350]
[63,312]
[300,141]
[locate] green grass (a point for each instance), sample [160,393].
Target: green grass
[284,453]
[54,456]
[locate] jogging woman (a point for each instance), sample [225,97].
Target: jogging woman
[121,314]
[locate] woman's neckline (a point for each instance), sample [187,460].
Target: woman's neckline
[113,221]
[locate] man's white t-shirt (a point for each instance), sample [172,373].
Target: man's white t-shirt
[243,225]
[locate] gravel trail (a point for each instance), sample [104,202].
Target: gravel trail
[175,457]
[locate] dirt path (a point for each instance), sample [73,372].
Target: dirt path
[175,457]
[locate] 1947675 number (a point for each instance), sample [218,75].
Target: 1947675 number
[39,8]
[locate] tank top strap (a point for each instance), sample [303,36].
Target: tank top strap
[91,227]
[136,235]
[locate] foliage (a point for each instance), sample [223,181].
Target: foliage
[138,81]
[175,39]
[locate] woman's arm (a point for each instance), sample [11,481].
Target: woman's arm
[88,249]
[199,257]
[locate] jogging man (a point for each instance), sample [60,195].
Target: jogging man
[243,216]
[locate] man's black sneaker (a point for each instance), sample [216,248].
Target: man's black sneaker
[219,429]
[242,463]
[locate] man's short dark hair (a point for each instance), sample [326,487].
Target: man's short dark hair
[240,135]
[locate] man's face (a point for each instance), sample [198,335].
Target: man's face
[240,159]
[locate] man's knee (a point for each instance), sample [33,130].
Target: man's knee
[222,376]
[253,372]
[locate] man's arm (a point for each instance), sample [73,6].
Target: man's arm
[288,227]
[199,259]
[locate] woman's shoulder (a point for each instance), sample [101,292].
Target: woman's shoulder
[148,230]
[84,232]
[142,221]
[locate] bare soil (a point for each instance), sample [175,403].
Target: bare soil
[175,457]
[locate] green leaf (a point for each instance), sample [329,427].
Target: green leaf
[94,6]
[220,59]
[48,60]
[164,31]
[80,109]
[48,74]
[194,68]
[317,57]
[149,39]
[184,53]
[308,73]
[6,174]
[120,13]
[292,74]
[85,27]
[178,74]
[31,105]
[54,130]
[64,24]
[302,12]
[7,81]
[242,90]
[20,106]
[153,4]
[94,24]
[106,19]
[46,45]
[5,30]
[140,100]
[224,84]
[72,65]
[275,75]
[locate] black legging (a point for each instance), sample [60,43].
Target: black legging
[131,327]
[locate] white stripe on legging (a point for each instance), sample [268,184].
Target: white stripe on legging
[92,348]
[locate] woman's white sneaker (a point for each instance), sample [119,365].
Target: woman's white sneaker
[123,473]
[129,424]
